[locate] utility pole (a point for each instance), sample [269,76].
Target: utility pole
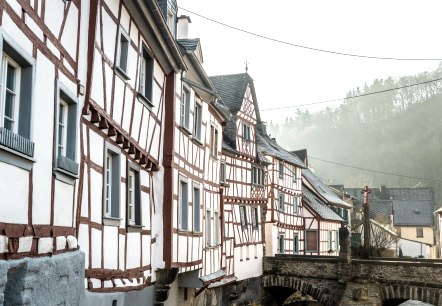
[366,192]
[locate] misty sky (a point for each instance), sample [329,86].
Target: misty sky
[286,75]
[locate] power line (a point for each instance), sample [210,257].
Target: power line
[376,171]
[356,96]
[307,47]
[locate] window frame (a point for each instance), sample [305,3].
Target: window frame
[181,182]
[255,218]
[146,77]
[8,61]
[196,209]
[66,165]
[295,204]
[19,156]
[280,169]
[209,227]
[257,175]
[197,121]
[222,172]
[123,72]
[281,204]
[137,221]
[213,141]
[296,244]
[216,228]
[185,108]
[243,216]
[330,240]
[295,175]
[281,244]
[307,249]
[419,232]
[114,185]
[246,131]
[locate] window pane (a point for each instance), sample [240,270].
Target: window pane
[196,210]
[10,78]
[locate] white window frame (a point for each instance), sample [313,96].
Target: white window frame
[197,120]
[222,171]
[134,216]
[246,132]
[295,204]
[196,207]
[183,219]
[112,183]
[209,238]
[216,228]
[281,242]
[213,141]
[281,201]
[6,60]
[185,108]
[280,169]
[62,127]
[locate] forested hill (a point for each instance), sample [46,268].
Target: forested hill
[396,131]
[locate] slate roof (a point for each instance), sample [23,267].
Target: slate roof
[322,188]
[319,206]
[394,193]
[188,44]
[381,207]
[267,146]
[231,88]
[412,213]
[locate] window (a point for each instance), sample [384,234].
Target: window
[337,240]
[133,195]
[346,214]
[197,115]
[281,169]
[246,132]
[281,244]
[208,228]
[17,83]
[196,209]
[281,200]
[294,175]
[112,182]
[183,206]
[185,108]
[146,77]
[311,241]
[419,232]
[257,176]
[66,133]
[295,204]
[222,172]
[243,216]
[330,240]
[216,234]
[296,244]
[255,218]
[213,141]
[123,52]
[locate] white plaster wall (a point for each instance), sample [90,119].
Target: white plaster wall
[118,98]
[121,248]
[133,250]
[63,202]
[125,19]
[96,148]
[69,38]
[113,6]
[110,247]
[413,248]
[97,81]
[96,196]
[247,268]
[96,248]
[54,16]
[109,35]
[14,205]
[83,242]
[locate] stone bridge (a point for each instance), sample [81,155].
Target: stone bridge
[332,280]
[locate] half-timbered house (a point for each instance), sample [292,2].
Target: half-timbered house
[132,64]
[244,178]
[321,218]
[41,82]
[196,208]
[284,227]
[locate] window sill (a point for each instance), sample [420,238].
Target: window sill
[185,130]
[197,142]
[145,101]
[133,228]
[65,176]
[224,184]
[111,221]
[15,158]
[197,234]
[213,157]
[184,231]
[122,74]
[212,247]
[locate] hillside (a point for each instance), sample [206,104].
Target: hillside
[397,132]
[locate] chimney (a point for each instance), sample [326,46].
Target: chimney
[183,27]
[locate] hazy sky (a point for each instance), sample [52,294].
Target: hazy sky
[286,75]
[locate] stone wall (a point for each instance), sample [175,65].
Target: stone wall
[55,280]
